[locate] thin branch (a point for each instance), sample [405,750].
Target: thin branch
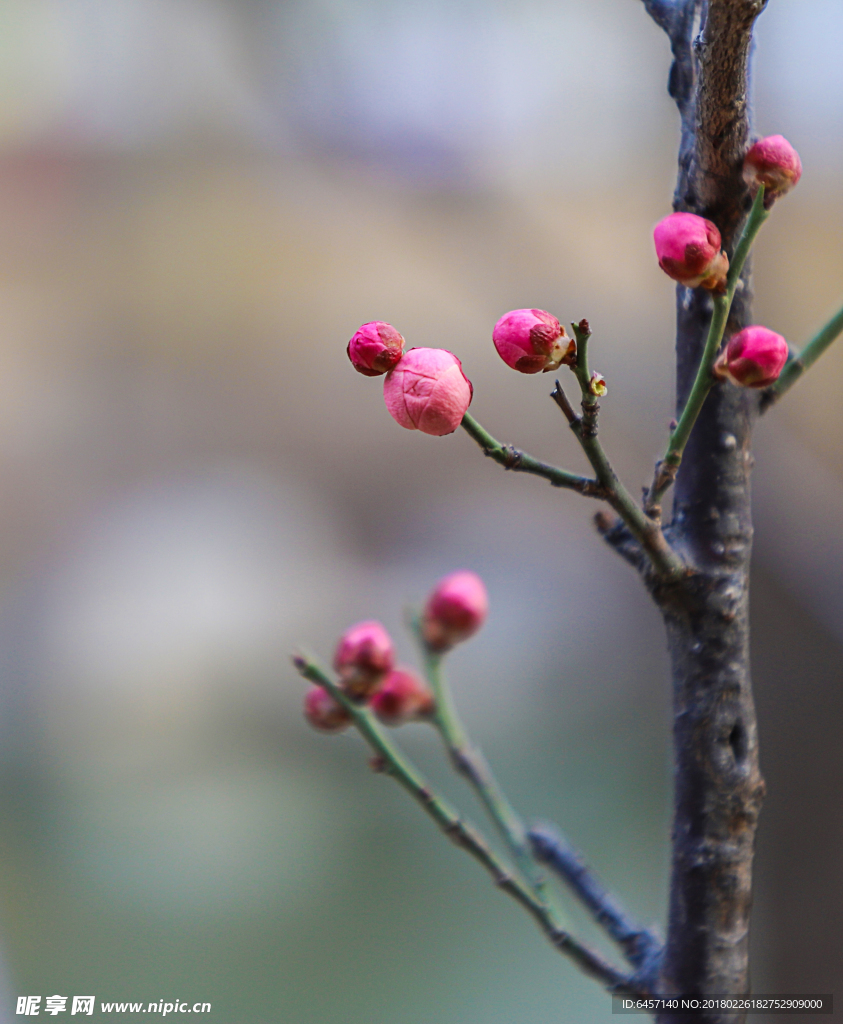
[804,361]
[520,462]
[469,762]
[465,835]
[667,564]
[668,467]
[561,399]
[616,534]
[640,945]
[607,486]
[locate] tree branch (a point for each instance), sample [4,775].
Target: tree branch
[640,945]
[469,762]
[667,564]
[393,762]
[718,786]
[804,361]
[667,468]
[616,534]
[520,462]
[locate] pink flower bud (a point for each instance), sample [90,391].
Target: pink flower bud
[323,712]
[363,657]
[375,348]
[773,163]
[455,610]
[753,358]
[402,697]
[532,341]
[688,248]
[428,391]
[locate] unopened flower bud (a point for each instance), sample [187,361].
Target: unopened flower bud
[402,697]
[323,712]
[375,348]
[753,358]
[532,341]
[428,391]
[688,248]
[455,610]
[363,658]
[773,163]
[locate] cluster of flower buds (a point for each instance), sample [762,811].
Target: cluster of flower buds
[688,249]
[533,341]
[425,389]
[365,659]
[753,358]
[773,163]
[323,712]
[688,246]
[365,663]
[402,697]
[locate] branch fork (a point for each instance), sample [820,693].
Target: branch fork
[718,794]
[527,886]
[659,557]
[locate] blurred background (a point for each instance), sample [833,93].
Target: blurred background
[200,201]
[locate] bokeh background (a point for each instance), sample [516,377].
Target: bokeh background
[200,200]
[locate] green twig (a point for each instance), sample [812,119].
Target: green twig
[469,761]
[804,361]
[520,462]
[393,762]
[666,562]
[607,486]
[668,467]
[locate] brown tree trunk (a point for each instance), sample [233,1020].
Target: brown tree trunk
[718,785]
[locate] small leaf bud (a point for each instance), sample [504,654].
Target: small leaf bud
[753,358]
[363,657]
[688,248]
[428,391]
[323,712]
[597,384]
[773,163]
[375,348]
[455,610]
[402,697]
[532,341]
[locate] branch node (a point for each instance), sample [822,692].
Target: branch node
[588,423]
[512,457]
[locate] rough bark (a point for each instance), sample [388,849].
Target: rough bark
[718,785]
